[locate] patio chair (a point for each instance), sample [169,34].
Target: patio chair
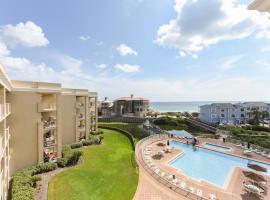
[183,185]
[212,197]
[191,189]
[199,192]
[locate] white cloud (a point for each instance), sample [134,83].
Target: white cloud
[182,54]
[228,63]
[100,43]
[267,49]
[195,56]
[265,63]
[84,37]
[200,24]
[102,66]
[125,50]
[127,68]
[263,35]
[26,34]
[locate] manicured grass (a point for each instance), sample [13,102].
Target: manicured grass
[107,172]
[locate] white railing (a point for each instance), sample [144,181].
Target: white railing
[2,111]
[7,136]
[2,145]
[8,105]
[43,107]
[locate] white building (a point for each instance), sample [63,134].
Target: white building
[228,113]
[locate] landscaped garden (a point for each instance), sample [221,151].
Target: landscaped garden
[108,171]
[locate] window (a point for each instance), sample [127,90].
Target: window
[222,115]
[233,115]
[222,110]
[242,109]
[242,115]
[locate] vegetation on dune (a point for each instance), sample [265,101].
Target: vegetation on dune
[168,123]
[133,128]
[108,172]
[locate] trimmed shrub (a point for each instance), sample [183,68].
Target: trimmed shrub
[96,132]
[76,145]
[87,142]
[61,162]
[44,167]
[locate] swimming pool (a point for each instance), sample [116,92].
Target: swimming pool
[216,147]
[211,166]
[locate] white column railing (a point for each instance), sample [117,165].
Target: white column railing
[7,136]
[2,111]
[7,109]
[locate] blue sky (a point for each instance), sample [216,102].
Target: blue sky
[164,50]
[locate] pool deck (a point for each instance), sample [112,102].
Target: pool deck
[151,188]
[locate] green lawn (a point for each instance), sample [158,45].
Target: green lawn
[106,173]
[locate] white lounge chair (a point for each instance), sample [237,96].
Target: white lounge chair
[199,192]
[212,197]
[191,189]
[183,185]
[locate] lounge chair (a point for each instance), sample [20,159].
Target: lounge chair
[212,197]
[199,192]
[191,189]
[183,185]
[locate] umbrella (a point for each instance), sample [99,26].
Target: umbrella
[257,167]
[254,176]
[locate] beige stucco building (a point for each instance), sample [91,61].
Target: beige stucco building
[36,119]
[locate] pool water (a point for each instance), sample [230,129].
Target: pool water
[211,166]
[216,147]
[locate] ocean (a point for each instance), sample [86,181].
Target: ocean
[192,106]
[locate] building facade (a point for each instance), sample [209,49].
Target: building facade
[228,113]
[5,88]
[44,116]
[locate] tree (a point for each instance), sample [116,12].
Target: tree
[265,115]
[255,116]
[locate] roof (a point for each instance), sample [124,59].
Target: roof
[260,5]
[131,99]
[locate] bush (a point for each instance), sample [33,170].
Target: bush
[44,167]
[87,142]
[69,156]
[94,139]
[76,145]
[61,162]
[96,132]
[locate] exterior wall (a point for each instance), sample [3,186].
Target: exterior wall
[68,119]
[24,126]
[92,112]
[132,108]
[230,113]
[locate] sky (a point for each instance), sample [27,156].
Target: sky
[164,50]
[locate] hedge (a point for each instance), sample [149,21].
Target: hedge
[69,156]
[76,145]
[24,181]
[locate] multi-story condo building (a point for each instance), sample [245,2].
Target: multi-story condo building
[125,107]
[44,117]
[228,113]
[5,88]
[260,5]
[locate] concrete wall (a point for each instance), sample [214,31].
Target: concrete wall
[68,119]
[24,127]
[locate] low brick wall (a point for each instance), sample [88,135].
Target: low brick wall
[124,132]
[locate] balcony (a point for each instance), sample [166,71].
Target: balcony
[80,116]
[81,128]
[7,135]
[49,125]
[44,107]
[79,105]
[2,145]
[8,105]
[50,141]
[50,155]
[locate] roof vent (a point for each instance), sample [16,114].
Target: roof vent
[131,96]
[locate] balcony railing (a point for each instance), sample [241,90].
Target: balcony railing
[2,111]
[49,142]
[8,105]
[7,135]
[44,107]
[49,124]
[79,105]
[81,127]
[2,144]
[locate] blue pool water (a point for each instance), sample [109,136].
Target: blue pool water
[211,166]
[216,147]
